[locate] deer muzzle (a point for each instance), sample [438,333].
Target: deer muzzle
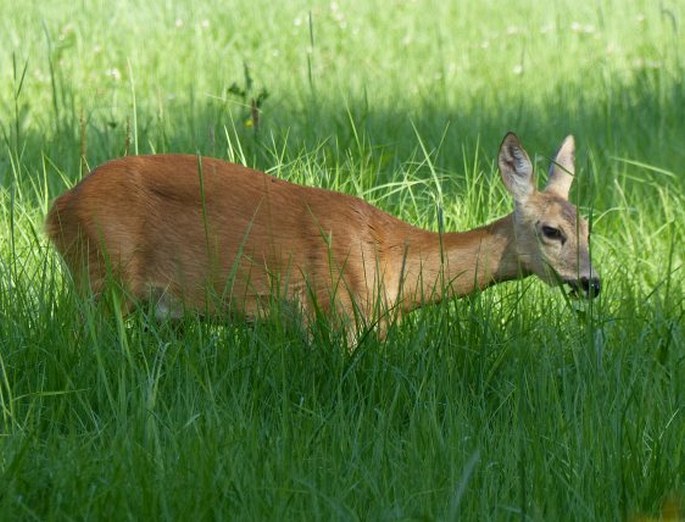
[587,287]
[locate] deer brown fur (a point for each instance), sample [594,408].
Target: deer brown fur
[209,236]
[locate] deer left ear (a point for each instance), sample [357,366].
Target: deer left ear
[516,168]
[562,169]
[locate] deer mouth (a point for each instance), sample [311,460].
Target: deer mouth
[584,288]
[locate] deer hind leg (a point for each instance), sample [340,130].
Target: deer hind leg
[107,281]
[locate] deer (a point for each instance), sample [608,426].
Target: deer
[187,233]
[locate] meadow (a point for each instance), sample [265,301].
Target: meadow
[512,404]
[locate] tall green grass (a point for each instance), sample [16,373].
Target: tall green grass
[511,404]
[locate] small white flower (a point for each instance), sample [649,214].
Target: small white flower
[577,27]
[612,48]
[114,74]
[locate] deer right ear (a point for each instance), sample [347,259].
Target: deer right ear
[516,168]
[562,170]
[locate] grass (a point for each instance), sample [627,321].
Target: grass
[506,405]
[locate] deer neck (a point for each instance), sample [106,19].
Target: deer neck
[443,266]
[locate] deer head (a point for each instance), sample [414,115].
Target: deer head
[552,239]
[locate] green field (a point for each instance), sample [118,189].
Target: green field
[508,405]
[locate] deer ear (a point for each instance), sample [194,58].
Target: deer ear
[562,169]
[516,168]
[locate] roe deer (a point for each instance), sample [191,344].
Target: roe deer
[202,234]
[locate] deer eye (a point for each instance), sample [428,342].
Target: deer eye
[553,233]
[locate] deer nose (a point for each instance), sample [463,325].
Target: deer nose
[591,286]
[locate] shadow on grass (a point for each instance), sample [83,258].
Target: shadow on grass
[636,121]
